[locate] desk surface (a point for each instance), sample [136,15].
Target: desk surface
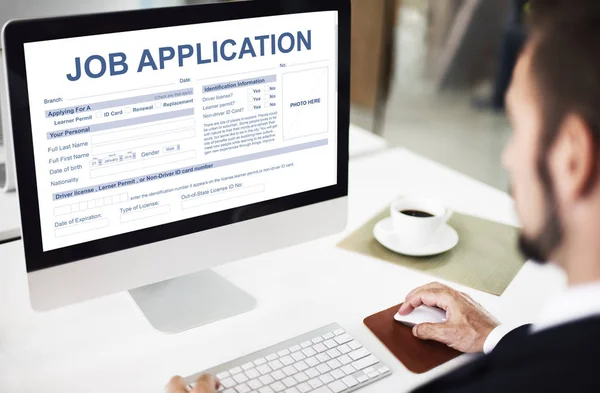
[362,143]
[106,345]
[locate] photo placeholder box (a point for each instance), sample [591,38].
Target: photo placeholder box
[305,103]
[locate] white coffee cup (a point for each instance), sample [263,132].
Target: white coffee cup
[417,231]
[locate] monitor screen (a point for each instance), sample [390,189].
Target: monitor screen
[138,129]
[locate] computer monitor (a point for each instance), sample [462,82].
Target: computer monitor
[151,145]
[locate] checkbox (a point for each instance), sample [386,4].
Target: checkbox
[127,110]
[158,105]
[99,115]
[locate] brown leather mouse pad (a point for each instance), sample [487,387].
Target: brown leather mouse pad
[418,356]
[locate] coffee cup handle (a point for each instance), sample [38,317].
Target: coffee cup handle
[448,215]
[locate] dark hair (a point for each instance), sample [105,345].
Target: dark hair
[565,63]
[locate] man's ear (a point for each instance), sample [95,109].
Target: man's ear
[573,159]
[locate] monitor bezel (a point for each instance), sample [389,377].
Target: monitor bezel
[18,33]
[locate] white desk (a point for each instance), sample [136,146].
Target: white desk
[106,345]
[362,143]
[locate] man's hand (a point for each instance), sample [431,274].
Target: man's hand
[205,384]
[467,324]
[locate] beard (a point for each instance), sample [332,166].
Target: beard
[540,248]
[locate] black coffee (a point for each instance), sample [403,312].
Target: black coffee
[416,213]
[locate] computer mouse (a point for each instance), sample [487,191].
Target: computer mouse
[423,314]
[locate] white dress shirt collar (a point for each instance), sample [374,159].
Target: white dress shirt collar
[573,304]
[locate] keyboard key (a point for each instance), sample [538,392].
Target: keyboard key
[383,370]
[223,375]
[304,388]
[365,362]
[230,390]
[264,369]
[338,332]
[334,364]
[283,353]
[330,344]
[290,370]
[373,374]
[350,381]
[337,374]
[295,348]
[298,356]
[292,390]
[247,366]
[287,360]
[252,374]
[309,352]
[278,387]
[243,388]
[289,382]
[333,353]
[369,370]
[320,348]
[306,344]
[277,375]
[312,372]
[312,361]
[255,384]
[354,344]
[348,370]
[327,336]
[323,357]
[260,361]
[344,359]
[266,379]
[301,377]
[337,386]
[343,339]
[344,349]
[359,354]
[240,378]
[301,365]
[272,357]
[362,378]
[323,368]
[228,382]
[235,370]
[317,340]
[326,378]
[315,383]
[266,389]
[275,364]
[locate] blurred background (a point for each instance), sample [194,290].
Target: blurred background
[428,75]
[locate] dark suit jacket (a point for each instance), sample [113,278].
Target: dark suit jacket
[561,359]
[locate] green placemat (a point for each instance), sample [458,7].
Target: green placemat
[486,258]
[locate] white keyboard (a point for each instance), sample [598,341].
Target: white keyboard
[326,360]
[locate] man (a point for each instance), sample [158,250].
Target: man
[554,162]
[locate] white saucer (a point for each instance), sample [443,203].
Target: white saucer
[445,240]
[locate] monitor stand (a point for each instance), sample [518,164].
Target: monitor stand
[184,303]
